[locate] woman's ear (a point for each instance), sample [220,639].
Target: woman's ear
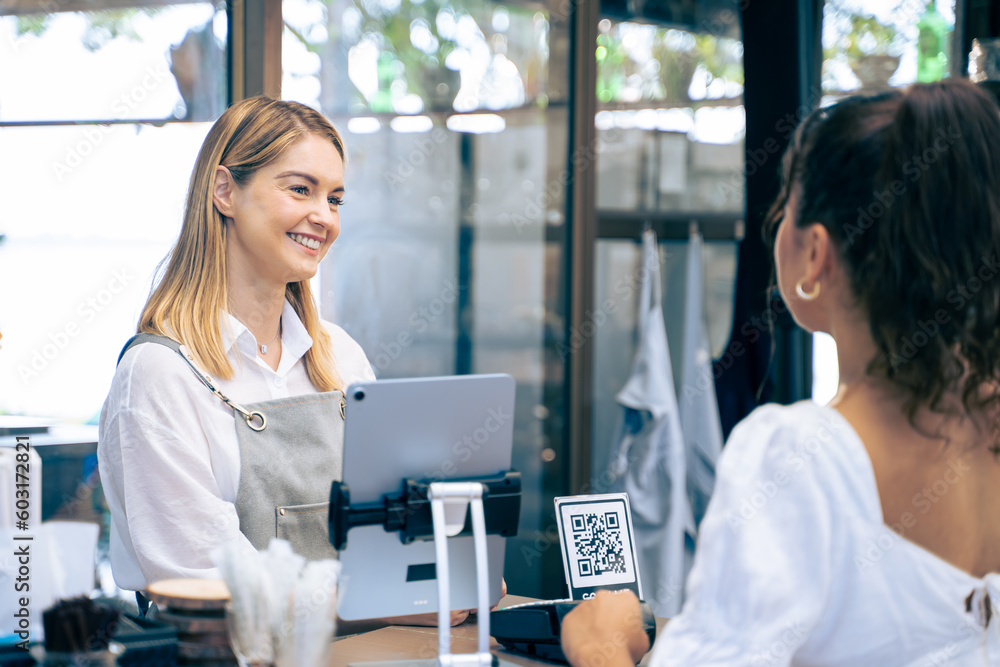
[222,191]
[820,254]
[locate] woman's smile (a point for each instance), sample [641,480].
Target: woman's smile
[309,242]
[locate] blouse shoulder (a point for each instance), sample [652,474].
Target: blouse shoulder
[807,441]
[352,363]
[148,364]
[792,484]
[149,373]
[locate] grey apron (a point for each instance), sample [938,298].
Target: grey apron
[291,449]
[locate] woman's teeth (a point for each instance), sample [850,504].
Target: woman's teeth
[305,240]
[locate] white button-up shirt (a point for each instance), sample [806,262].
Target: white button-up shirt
[168,451]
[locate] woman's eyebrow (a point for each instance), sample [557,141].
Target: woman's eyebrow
[311,179]
[286,174]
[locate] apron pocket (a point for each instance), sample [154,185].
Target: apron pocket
[306,527]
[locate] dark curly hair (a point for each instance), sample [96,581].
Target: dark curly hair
[908,186]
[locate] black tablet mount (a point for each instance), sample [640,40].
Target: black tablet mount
[409,510]
[490,505]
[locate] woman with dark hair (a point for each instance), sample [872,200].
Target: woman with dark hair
[865,532]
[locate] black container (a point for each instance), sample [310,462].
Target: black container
[147,643]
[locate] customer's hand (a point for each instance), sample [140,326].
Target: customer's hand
[605,632]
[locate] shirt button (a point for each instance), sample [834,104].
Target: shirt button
[279,382]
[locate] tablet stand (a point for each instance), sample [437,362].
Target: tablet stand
[461,495]
[439,510]
[408,511]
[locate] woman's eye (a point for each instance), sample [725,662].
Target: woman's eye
[336,201]
[300,189]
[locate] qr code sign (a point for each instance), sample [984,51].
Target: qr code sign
[598,542]
[595,539]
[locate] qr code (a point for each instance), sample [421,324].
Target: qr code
[597,538]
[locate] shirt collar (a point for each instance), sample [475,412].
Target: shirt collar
[295,339]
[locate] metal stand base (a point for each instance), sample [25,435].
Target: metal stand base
[459,497]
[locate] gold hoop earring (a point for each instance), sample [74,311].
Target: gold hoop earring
[806,296]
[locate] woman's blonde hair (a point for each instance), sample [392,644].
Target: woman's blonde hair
[188,301]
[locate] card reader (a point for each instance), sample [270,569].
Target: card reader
[533,627]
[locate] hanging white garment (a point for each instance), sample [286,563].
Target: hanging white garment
[648,459]
[698,404]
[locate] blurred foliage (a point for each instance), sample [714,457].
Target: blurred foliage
[393,27]
[613,66]
[859,41]
[868,37]
[102,25]
[415,38]
[718,57]
[32,24]
[392,30]
[628,75]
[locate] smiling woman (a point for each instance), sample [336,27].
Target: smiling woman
[239,337]
[280,224]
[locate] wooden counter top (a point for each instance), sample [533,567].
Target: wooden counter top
[399,642]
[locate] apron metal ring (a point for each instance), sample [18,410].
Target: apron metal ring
[250,420]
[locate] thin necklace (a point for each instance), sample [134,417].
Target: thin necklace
[263,348]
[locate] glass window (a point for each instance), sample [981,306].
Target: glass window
[869,46]
[90,198]
[671,128]
[456,138]
[671,120]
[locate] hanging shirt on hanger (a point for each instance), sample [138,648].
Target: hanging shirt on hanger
[648,460]
[699,407]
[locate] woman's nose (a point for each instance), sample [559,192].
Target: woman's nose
[323,215]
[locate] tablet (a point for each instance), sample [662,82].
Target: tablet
[434,429]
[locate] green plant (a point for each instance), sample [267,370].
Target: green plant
[869,37]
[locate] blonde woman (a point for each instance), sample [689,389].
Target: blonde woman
[235,332]
[224,422]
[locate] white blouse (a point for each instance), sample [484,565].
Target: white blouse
[795,565]
[168,451]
